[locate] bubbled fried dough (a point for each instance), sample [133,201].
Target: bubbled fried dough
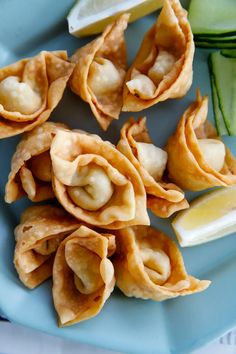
[85,166]
[37,85]
[31,173]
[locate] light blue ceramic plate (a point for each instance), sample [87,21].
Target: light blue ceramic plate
[129,325]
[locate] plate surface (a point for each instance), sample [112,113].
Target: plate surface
[124,324]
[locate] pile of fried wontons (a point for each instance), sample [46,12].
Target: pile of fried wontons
[97,234]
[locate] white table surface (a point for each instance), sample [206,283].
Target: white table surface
[15,339]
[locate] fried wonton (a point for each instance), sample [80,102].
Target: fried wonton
[83,276]
[31,165]
[38,235]
[163,198]
[148,265]
[197,158]
[30,89]
[100,71]
[95,183]
[162,68]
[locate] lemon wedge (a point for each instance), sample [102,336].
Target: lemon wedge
[209,217]
[89,17]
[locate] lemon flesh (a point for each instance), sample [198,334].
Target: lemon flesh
[88,17]
[209,217]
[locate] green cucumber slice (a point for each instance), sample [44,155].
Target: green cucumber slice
[213,16]
[216,45]
[224,71]
[228,53]
[215,39]
[219,120]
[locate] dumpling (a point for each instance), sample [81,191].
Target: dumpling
[205,160]
[31,165]
[100,71]
[83,276]
[95,182]
[30,89]
[162,68]
[38,235]
[163,198]
[148,265]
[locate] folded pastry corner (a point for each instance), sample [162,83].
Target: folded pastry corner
[31,165]
[100,68]
[162,68]
[30,89]
[205,160]
[148,265]
[95,183]
[38,235]
[83,276]
[163,198]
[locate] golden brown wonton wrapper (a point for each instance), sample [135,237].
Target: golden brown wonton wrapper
[169,46]
[162,198]
[100,71]
[83,276]
[148,265]
[38,235]
[95,182]
[31,165]
[186,163]
[45,76]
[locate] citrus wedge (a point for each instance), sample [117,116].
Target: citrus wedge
[209,217]
[89,17]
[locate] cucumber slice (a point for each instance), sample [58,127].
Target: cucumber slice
[216,35]
[224,70]
[228,53]
[213,16]
[217,39]
[230,45]
[219,120]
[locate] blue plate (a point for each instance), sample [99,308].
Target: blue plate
[124,324]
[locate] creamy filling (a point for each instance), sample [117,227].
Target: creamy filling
[162,66]
[16,96]
[156,264]
[152,158]
[91,189]
[86,267]
[144,86]
[213,152]
[141,85]
[104,77]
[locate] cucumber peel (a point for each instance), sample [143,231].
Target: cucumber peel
[213,16]
[219,120]
[216,45]
[213,23]
[223,81]
[229,53]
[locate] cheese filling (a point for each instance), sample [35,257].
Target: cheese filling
[91,189]
[152,158]
[104,77]
[214,152]
[86,267]
[156,264]
[162,66]
[141,85]
[16,96]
